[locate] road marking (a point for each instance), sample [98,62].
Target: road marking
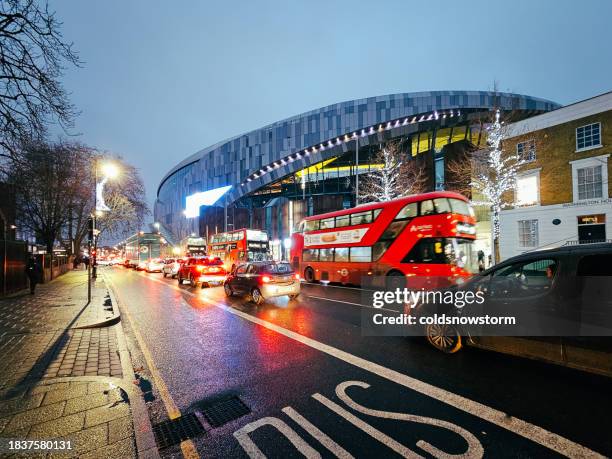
[474,447]
[187,446]
[335,286]
[348,302]
[249,446]
[525,429]
[316,433]
[367,428]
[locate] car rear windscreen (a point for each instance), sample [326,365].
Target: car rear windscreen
[278,268]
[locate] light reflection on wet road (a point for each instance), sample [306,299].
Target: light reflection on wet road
[203,351]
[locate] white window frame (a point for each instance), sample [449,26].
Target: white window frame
[527,174]
[602,161]
[590,147]
[536,232]
[526,143]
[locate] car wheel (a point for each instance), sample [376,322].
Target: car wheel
[228,290]
[180,280]
[256,296]
[165,274]
[309,275]
[445,338]
[293,297]
[205,285]
[395,280]
[174,276]
[192,281]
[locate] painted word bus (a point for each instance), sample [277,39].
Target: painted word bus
[239,245]
[427,235]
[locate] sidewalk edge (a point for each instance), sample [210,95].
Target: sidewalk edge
[143,430]
[116,318]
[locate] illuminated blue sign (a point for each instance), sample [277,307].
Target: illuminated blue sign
[205,198]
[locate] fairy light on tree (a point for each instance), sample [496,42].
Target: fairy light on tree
[494,172]
[391,177]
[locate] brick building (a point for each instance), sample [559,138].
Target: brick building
[563,195]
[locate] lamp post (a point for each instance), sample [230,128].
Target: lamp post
[356,170]
[109,171]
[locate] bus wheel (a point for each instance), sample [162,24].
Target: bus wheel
[395,280]
[445,338]
[309,275]
[256,296]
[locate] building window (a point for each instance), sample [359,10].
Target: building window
[526,151]
[528,233]
[589,183]
[528,190]
[588,136]
[439,173]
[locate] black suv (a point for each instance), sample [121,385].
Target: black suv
[563,294]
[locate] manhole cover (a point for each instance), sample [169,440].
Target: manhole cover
[224,411]
[174,431]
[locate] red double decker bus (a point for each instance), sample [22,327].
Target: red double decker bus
[428,235]
[239,245]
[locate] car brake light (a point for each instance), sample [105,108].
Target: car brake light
[297,276]
[200,268]
[266,279]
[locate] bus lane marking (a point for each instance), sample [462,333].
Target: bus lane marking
[316,433]
[474,447]
[539,435]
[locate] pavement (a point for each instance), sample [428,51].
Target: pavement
[298,378]
[66,375]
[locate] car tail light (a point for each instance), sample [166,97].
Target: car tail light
[266,279]
[297,276]
[200,268]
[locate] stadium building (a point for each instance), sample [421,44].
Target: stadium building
[308,164]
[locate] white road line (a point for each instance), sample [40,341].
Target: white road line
[367,428]
[335,286]
[305,424]
[348,302]
[525,429]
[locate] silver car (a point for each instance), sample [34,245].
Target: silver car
[171,267]
[262,280]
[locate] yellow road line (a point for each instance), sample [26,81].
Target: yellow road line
[187,446]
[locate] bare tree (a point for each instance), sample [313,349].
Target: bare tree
[393,176]
[32,56]
[44,179]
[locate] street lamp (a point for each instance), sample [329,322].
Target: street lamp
[109,171]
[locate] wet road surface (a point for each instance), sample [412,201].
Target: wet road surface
[316,387]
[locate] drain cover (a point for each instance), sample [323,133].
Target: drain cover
[174,431]
[224,411]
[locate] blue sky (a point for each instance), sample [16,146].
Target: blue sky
[162,80]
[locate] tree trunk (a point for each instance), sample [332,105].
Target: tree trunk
[496,255]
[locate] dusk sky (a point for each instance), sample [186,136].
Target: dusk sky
[161,80]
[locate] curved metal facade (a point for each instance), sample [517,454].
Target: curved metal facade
[257,158]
